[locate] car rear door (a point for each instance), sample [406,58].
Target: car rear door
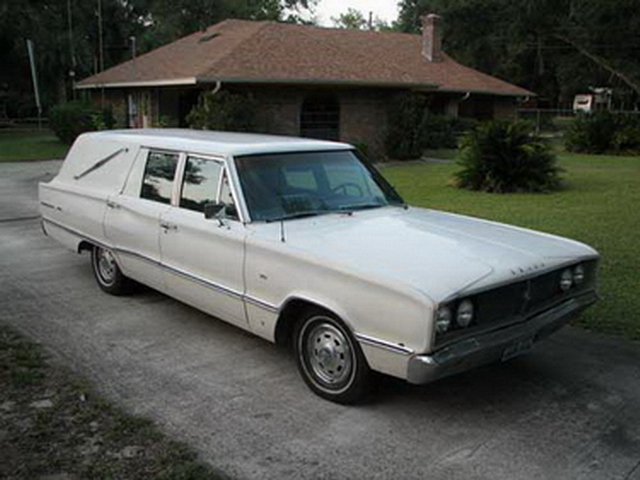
[132,220]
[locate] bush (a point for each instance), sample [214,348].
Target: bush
[591,133]
[223,111]
[603,132]
[68,120]
[504,157]
[413,128]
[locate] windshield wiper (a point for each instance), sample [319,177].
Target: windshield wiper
[294,215]
[361,206]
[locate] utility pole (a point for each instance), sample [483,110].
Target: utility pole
[72,53]
[34,78]
[100,46]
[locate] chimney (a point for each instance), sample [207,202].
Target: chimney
[431,37]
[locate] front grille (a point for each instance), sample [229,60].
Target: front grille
[518,301]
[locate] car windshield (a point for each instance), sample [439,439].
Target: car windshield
[294,185]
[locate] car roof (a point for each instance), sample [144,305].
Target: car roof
[216,143]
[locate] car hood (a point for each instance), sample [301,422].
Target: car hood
[439,254]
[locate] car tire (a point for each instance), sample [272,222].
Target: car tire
[329,359]
[108,274]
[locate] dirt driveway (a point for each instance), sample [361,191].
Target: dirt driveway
[570,409]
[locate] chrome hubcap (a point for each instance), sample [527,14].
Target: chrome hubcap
[329,354]
[106,265]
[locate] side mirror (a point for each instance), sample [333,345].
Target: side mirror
[213,210]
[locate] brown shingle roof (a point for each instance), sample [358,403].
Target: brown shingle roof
[270,52]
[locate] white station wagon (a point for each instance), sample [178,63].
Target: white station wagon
[305,244]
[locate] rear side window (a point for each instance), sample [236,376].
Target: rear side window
[159,173]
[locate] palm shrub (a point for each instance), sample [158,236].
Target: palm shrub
[506,157]
[223,111]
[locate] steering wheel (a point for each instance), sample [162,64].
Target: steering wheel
[344,187]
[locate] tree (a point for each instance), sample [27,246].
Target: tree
[168,20]
[66,37]
[352,19]
[554,47]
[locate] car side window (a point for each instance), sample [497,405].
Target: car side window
[201,183]
[159,173]
[226,197]
[205,182]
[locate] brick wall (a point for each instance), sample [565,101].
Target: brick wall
[505,108]
[364,119]
[362,112]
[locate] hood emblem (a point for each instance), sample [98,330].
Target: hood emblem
[526,270]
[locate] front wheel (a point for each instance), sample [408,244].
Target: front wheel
[329,359]
[108,274]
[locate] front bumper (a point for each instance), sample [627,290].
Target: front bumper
[497,345]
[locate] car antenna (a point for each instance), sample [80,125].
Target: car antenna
[282,239]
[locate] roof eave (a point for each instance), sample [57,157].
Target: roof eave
[172,82]
[316,82]
[523,93]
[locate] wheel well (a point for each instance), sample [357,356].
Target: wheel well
[288,318]
[85,246]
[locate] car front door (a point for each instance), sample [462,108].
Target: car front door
[203,258]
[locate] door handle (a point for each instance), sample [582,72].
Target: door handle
[166,226]
[112,204]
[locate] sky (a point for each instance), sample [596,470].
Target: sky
[386,10]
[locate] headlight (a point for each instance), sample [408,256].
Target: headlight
[566,280]
[443,319]
[464,315]
[578,274]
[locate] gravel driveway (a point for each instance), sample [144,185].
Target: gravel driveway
[570,409]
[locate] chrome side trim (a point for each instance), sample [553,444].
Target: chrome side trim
[376,342]
[261,304]
[139,256]
[203,281]
[74,232]
[177,271]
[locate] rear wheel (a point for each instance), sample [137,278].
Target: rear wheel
[107,272]
[329,359]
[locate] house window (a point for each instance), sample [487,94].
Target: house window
[320,118]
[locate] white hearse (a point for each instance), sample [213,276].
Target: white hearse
[305,244]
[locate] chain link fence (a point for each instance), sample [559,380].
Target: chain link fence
[555,122]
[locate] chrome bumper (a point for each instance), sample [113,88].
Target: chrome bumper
[498,345]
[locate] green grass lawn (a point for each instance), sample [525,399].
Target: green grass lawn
[599,206]
[18,145]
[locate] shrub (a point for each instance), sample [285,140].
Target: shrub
[626,138]
[604,131]
[504,157]
[413,128]
[223,111]
[591,133]
[68,120]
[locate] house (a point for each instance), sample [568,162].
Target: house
[306,80]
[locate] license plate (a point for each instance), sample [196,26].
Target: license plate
[517,348]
